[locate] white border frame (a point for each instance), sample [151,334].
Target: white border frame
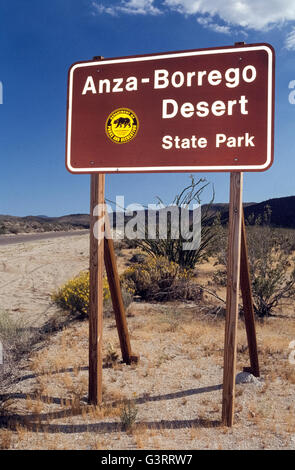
[139,169]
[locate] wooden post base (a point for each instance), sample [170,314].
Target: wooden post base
[134,358]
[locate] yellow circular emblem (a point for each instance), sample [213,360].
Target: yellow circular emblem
[122,125]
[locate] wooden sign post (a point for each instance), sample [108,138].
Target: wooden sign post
[232,296]
[96,288]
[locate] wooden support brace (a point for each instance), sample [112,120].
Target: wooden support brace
[248,305]
[117,300]
[232,297]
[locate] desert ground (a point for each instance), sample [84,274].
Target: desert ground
[172,397]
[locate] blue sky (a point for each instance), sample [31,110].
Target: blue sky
[39,40]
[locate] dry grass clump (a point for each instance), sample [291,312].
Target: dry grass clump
[5,439]
[112,357]
[128,415]
[289,374]
[15,336]
[6,405]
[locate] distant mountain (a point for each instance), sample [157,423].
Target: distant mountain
[282,211]
[40,223]
[222,208]
[76,220]
[282,215]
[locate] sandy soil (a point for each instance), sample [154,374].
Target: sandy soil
[29,272]
[175,389]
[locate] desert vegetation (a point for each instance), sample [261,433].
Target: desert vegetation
[173,245]
[271,259]
[172,398]
[161,270]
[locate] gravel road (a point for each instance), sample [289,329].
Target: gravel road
[28,237]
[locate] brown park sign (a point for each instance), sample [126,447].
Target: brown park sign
[198,110]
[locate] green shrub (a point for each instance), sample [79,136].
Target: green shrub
[74,295]
[158,279]
[173,248]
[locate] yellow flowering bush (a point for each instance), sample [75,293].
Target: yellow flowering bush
[74,294]
[157,278]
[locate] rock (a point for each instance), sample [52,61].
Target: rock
[246,378]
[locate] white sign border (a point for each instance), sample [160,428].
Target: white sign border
[139,169]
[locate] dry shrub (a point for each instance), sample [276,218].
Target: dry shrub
[14,335]
[16,340]
[111,357]
[128,415]
[158,279]
[272,269]
[271,260]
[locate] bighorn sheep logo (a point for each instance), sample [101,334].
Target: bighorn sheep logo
[122,122]
[121,125]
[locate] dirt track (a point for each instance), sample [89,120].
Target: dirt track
[30,272]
